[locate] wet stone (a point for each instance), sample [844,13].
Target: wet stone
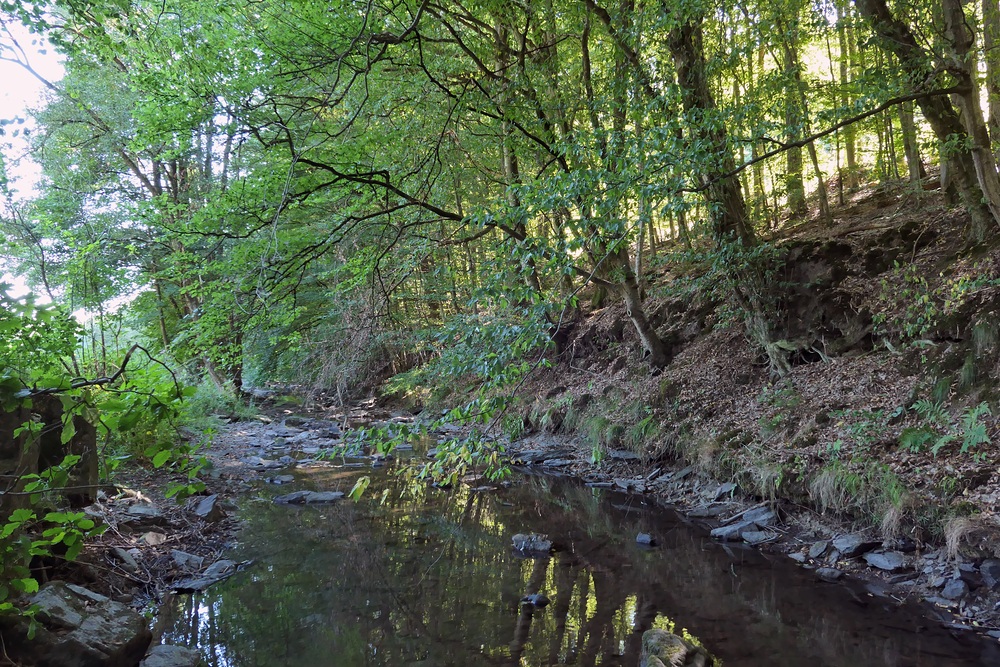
[531,543]
[758,536]
[762,516]
[852,546]
[645,539]
[168,655]
[818,549]
[309,498]
[734,532]
[797,557]
[829,574]
[281,479]
[890,561]
[990,571]
[955,589]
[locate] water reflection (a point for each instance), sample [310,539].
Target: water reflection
[433,580]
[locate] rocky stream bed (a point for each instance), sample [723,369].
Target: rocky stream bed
[156,550]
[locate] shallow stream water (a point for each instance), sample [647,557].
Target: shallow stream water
[433,580]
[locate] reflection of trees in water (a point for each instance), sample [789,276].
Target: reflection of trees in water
[434,579]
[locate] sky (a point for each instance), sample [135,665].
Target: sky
[20,91]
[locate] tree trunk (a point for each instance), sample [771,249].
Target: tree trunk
[991,47]
[964,170]
[914,164]
[724,196]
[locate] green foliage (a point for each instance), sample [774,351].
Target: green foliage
[862,429]
[937,430]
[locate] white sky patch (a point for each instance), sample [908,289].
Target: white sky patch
[20,91]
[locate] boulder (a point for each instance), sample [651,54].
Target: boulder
[664,649]
[168,655]
[78,628]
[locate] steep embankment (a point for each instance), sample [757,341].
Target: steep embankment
[883,420]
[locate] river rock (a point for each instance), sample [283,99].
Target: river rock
[187,561]
[216,572]
[258,463]
[310,498]
[762,516]
[168,655]
[665,649]
[535,600]
[890,561]
[852,546]
[208,509]
[955,589]
[990,571]
[756,537]
[645,539]
[829,573]
[77,628]
[622,455]
[127,560]
[532,543]
[817,549]
[735,531]
[280,479]
[724,489]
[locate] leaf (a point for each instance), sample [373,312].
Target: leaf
[359,487]
[161,457]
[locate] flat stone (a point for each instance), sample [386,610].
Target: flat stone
[955,589]
[557,463]
[310,498]
[708,511]
[762,516]
[817,550]
[186,560]
[143,512]
[153,539]
[215,573]
[645,539]
[168,655]
[990,571]
[758,536]
[681,474]
[126,559]
[208,509]
[829,573]
[281,479]
[262,464]
[622,455]
[852,546]
[724,489]
[734,532]
[797,557]
[890,561]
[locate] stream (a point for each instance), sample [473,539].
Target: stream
[434,580]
